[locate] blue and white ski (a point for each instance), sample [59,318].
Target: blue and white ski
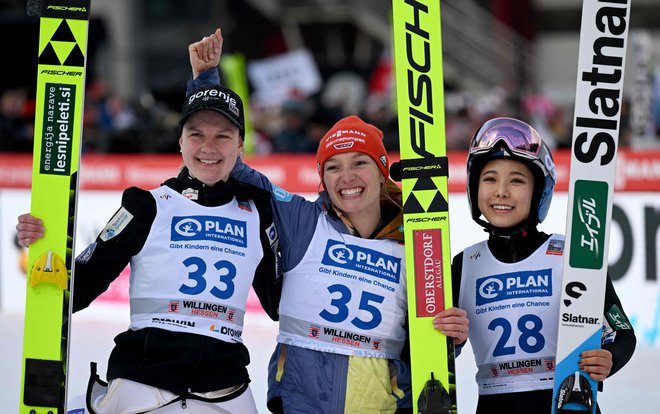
[598,100]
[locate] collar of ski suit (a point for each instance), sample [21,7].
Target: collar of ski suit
[511,249]
[218,194]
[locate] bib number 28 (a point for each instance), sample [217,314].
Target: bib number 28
[531,340]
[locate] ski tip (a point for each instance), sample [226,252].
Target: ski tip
[49,268]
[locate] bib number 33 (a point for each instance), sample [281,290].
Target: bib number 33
[224,275]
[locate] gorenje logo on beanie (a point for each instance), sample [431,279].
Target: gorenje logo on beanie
[215,98]
[208,95]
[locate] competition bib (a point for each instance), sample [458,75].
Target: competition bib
[513,311]
[347,296]
[196,267]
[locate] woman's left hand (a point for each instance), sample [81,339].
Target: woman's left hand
[454,323]
[597,363]
[205,54]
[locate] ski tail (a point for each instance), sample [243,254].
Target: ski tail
[435,398]
[575,394]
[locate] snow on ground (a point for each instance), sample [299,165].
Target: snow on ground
[632,390]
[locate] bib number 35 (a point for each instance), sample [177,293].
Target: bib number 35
[341,313]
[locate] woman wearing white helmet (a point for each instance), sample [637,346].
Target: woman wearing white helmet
[510,284]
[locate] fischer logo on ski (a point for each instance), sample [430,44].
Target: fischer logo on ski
[57,133]
[423,174]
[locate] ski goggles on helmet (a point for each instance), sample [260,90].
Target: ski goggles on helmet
[519,138]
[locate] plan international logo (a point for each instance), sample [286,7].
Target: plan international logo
[514,285]
[360,259]
[209,228]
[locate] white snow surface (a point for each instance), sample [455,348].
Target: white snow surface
[632,390]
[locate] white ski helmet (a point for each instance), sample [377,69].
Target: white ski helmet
[512,138]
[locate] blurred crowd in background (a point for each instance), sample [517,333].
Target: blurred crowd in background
[295,125]
[354,77]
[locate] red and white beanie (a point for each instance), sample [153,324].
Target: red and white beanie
[351,134]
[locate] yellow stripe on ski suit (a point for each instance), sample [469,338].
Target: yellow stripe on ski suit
[367,393]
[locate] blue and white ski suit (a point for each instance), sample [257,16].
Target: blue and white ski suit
[342,311]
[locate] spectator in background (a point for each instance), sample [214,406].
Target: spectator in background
[292,137]
[379,111]
[345,92]
[457,127]
[656,104]
[321,120]
[16,121]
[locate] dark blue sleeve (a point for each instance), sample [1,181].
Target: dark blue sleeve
[209,77]
[295,217]
[625,341]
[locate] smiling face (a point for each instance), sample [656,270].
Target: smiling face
[505,192]
[210,144]
[354,183]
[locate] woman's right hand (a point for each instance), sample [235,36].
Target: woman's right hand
[29,228]
[454,323]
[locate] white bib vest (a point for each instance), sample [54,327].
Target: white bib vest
[513,310]
[196,267]
[346,296]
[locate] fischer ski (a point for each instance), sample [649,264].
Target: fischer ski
[599,94]
[58,128]
[423,174]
